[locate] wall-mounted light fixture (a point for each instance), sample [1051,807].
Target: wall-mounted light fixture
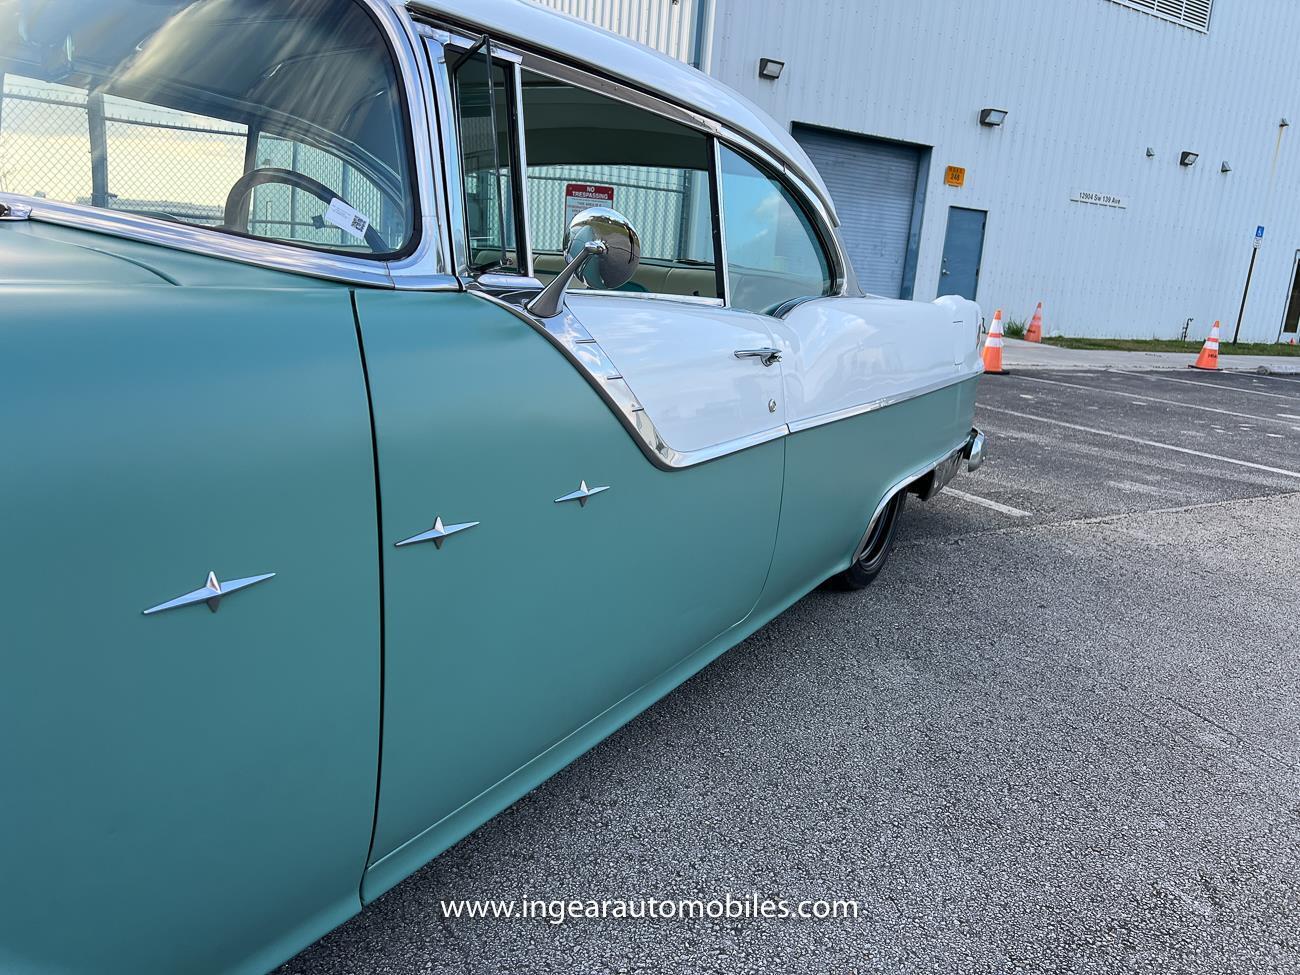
[770,68]
[1188,158]
[1151,153]
[993,117]
[1225,168]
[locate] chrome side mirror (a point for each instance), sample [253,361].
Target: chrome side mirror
[602,248]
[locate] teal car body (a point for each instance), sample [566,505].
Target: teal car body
[453,545]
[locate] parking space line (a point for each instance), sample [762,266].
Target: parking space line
[1145,443]
[1006,509]
[1154,399]
[1270,375]
[1233,389]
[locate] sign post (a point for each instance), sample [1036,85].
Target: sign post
[1254,254]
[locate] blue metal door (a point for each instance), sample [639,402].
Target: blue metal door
[963,248]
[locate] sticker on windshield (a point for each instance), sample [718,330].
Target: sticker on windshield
[347,219]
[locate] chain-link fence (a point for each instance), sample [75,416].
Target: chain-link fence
[659,203]
[164,163]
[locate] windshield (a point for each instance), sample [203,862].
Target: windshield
[282,121]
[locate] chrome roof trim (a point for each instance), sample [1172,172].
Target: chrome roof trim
[427,269]
[531,25]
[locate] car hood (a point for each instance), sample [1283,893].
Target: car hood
[39,253]
[29,257]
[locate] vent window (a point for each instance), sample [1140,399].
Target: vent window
[1190,13]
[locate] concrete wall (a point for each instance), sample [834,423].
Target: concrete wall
[1089,85]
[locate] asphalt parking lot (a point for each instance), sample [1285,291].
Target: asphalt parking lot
[1061,732]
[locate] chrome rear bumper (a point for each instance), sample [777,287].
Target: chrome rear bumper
[974,451]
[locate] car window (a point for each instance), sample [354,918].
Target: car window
[773,252]
[285,122]
[484,109]
[585,149]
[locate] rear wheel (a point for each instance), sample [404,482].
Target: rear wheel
[875,549]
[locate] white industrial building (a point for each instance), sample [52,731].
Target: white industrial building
[1143,144]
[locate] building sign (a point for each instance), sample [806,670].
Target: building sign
[955,176]
[579,196]
[1100,199]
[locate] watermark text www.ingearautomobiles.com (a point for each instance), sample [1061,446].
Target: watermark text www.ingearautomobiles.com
[559,910]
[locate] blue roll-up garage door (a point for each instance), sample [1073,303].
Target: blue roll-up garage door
[873,184]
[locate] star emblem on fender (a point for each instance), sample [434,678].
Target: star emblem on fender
[212,593]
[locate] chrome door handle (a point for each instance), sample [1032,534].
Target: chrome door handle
[769,357]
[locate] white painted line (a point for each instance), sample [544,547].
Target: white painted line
[1289,416]
[1145,443]
[1269,375]
[1230,388]
[1006,509]
[1154,399]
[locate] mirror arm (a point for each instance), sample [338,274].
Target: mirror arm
[551,300]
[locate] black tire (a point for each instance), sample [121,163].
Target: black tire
[876,549]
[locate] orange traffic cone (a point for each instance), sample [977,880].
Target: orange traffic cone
[1209,357]
[993,347]
[1035,331]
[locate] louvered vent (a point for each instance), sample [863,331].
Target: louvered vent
[1190,13]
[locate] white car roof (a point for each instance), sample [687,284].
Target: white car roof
[533,25]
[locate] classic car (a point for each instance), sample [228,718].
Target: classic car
[395,399]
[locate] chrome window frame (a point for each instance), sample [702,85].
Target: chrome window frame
[427,268]
[439,34]
[825,238]
[436,43]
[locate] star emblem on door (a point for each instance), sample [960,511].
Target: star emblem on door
[582,495]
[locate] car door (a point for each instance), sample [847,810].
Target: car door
[198,784]
[547,557]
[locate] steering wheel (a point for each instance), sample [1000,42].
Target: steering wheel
[236,217]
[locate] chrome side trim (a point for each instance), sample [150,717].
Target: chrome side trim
[900,485]
[811,422]
[572,339]
[647,296]
[211,594]
[427,269]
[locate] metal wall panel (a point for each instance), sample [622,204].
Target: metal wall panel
[666,25]
[873,184]
[1088,85]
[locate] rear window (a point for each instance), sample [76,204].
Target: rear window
[282,121]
